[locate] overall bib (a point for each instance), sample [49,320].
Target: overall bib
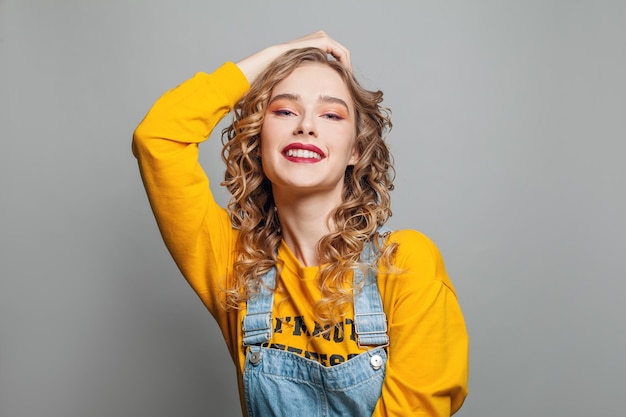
[282,383]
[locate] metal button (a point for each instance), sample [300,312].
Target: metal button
[255,358]
[376,361]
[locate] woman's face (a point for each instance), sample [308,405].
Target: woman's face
[308,135]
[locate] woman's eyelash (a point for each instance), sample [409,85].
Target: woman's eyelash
[282,112]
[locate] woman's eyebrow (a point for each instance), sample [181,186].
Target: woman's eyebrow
[323,99]
[286,96]
[335,100]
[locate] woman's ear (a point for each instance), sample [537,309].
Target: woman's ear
[356,155]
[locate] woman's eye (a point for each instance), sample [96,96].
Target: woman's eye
[283,112]
[332,116]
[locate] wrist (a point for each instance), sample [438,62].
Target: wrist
[253,65]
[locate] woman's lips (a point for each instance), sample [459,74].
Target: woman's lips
[299,152]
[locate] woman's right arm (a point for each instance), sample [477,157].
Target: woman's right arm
[196,231]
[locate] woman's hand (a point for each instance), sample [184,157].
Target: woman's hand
[253,65]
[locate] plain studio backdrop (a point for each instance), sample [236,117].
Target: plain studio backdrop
[509,140]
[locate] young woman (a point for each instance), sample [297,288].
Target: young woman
[324,311]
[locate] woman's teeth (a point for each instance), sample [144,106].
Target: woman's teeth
[303,153]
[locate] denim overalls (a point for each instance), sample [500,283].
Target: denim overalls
[282,383]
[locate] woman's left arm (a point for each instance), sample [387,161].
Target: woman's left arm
[427,369]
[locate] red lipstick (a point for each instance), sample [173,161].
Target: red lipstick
[300,152]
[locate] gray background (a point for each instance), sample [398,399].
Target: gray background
[509,131]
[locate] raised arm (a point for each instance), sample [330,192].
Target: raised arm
[166,146]
[196,231]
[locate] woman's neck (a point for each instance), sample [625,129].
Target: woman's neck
[304,220]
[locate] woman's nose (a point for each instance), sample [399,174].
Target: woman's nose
[306,126]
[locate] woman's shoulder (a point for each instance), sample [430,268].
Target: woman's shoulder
[414,239]
[417,254]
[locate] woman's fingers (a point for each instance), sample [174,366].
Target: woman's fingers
[323,41]
[253,65]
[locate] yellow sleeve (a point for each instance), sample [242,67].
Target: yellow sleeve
[427,369]
[196,231]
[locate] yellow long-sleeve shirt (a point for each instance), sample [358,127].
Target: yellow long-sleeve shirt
[426,373]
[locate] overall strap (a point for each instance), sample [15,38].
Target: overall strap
[370,321]
[257,324]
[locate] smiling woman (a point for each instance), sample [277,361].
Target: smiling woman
[325,312]
[308,139]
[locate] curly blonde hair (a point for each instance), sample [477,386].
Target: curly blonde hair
[366,200]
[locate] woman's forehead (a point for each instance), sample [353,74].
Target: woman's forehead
[313,81]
